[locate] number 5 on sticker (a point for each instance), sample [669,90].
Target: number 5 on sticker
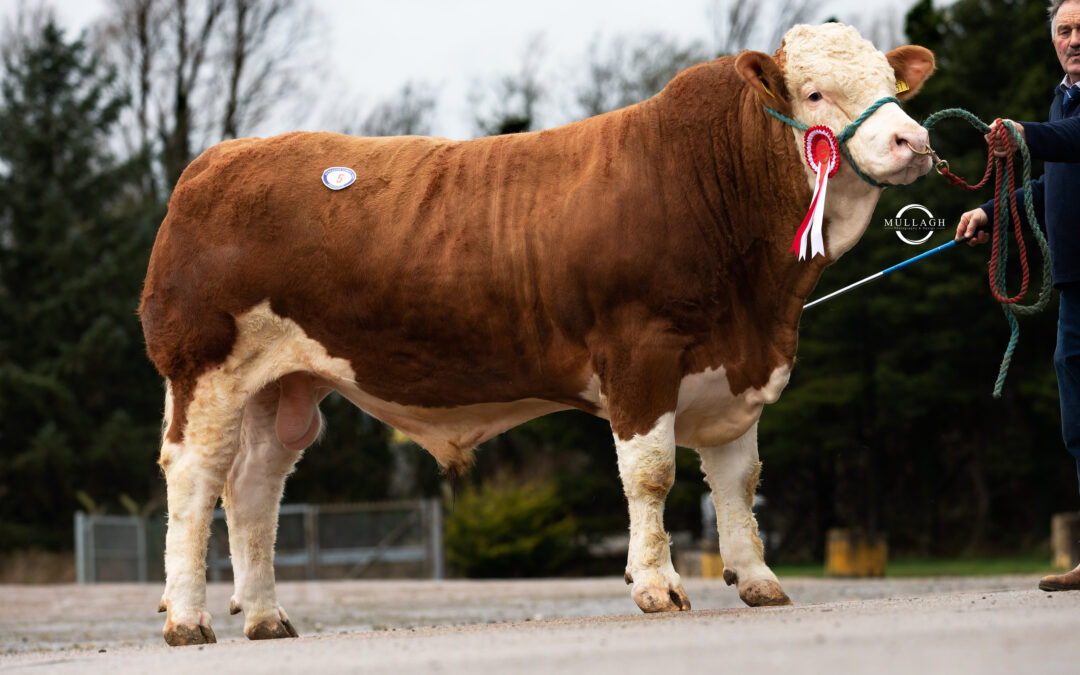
[338,177]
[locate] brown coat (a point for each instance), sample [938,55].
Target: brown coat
[641,245]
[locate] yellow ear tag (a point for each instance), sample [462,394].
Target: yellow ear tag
[901,87]
[766,87]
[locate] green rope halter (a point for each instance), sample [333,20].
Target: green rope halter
[845,134]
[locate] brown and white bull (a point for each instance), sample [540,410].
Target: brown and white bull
[634,265]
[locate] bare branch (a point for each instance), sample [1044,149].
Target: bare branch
[258,26]
[739,25]
[21,28]
[885,28]
[734,22]
[409,112]
[512,100]
[204,70]
[628,72]
[789,13]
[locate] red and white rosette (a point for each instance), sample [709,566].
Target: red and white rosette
[823,155]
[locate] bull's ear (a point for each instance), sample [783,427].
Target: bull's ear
[913,65]
[765,79]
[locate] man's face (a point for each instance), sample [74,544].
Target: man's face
[1067,38]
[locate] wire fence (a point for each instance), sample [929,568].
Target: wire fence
[401,539]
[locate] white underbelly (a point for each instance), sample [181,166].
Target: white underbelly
[269,346]
[451,429]
[707,413]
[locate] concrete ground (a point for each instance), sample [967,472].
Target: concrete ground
[942,625]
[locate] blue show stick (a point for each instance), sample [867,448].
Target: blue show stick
[894,268]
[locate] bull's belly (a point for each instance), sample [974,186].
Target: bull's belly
[270,346]
[450,433]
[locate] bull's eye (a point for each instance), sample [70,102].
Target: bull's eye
[814,97]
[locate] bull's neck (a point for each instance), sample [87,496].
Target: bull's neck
[747,192]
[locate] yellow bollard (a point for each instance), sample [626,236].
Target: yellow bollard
[1064,532]
[712,565]
[854,554]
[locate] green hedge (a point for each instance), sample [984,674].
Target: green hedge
[505,530]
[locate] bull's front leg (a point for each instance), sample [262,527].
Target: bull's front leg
[647,470]
[732,472]
[639,376]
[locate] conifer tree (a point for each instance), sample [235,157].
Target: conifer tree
[79,402]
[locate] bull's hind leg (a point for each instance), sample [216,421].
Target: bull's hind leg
[195,465]
[732,471]
[647,470]
[278,423]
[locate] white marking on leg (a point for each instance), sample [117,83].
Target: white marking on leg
[195,471]
[251,498]
[732,473]
[647,469]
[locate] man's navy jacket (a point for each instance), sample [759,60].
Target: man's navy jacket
[1056,194]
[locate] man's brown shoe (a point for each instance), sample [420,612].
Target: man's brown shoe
[1070,581]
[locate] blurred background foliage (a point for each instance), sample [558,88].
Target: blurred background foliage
[887,423]
[505,529]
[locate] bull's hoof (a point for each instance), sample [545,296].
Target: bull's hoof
[181,634]
[764,593]
[269,629]
[671,598]
[269,625]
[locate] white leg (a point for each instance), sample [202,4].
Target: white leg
[251,498]
[647,469]
[195,468]
[732,472]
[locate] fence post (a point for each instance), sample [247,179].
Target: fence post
[438,571]
[311,539]
[91,547]
[213,563]
[80,547]
[140,547]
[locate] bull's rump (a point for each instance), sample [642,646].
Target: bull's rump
[435,286]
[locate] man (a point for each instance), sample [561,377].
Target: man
[1057,142]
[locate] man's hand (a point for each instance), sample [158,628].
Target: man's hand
[1011,143]
[974,224]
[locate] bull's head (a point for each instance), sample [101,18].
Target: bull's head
[828,75]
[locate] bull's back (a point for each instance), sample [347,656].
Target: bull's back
[411,273]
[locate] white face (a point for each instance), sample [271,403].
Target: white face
[833,75]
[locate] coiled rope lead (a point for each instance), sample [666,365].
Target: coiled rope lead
[1004,193]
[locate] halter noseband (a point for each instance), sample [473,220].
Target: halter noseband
[845,134]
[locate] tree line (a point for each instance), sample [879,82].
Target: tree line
[887,423]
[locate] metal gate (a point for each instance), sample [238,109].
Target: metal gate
[110,548]
[328,541]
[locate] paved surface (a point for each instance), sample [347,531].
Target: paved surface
[968,625]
